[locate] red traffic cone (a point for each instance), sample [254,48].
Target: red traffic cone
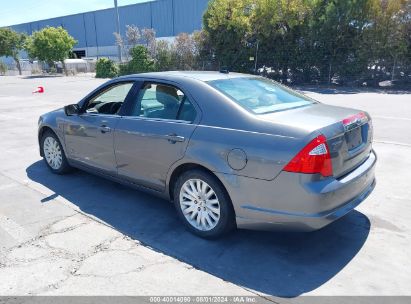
[39,90]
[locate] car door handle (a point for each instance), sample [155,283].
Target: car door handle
[105,129]
[173,138]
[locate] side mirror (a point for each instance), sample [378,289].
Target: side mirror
[72,109]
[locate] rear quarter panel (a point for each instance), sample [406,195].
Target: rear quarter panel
[266,154]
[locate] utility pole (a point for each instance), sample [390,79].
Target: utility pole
[118,29]
[256,58]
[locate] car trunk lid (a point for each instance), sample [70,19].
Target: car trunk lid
[348,132]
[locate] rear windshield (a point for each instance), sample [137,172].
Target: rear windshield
[260,95]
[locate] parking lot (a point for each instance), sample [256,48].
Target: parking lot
[83,235]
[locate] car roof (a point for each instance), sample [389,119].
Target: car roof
[198,75]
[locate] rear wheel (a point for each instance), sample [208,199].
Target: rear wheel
[53,153]
[203,204]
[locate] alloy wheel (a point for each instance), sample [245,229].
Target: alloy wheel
[52,152]
[200,204]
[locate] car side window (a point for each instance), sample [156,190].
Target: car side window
[109,101]
[163,101]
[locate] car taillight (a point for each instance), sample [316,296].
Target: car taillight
[313,158]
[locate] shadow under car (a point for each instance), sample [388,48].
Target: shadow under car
[278,264]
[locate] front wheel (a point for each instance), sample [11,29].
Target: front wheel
[203,204]
[53,153]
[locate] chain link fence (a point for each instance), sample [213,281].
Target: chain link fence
[74,67]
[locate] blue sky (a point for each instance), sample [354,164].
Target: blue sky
[21,11]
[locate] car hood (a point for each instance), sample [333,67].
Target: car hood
[58,111]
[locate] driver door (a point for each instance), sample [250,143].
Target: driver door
[89,136]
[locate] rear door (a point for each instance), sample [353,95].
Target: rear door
[154,134]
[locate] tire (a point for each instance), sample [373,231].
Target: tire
[53,153]
[198,208]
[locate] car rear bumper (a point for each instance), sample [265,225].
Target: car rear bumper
[299,202]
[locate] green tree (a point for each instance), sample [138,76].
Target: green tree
[185,52]
[11,43]
[149,39]
[387,39]
[278,26]
[140,61]
[51,44]
[205,57]
[133,36]
[227,23]
[3,68]
[164,58]
[335,34]
[306,40]
[106,68]
[235,28]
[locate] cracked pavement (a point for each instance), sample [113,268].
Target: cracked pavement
[76,252]
[82,235]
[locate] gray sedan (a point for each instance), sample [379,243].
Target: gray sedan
[230,150]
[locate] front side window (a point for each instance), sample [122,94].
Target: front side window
[260,95]
[163,101]
[109,101]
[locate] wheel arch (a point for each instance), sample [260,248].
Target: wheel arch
[184,167]
[41,132]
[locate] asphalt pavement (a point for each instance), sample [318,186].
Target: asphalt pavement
[83,235]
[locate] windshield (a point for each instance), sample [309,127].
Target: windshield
[260,95]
